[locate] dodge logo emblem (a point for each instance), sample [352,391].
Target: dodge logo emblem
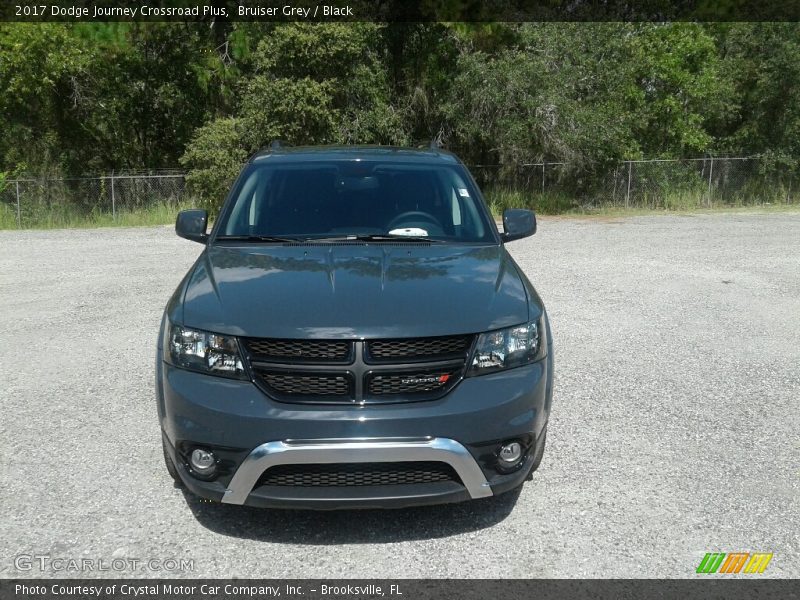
[427,379]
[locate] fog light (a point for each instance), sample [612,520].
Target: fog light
[510,454]
[203,462]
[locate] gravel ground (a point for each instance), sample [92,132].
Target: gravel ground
[674,427]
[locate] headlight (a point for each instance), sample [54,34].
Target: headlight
[204,351]
[507,348]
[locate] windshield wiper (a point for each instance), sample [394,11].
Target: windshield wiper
[256,238]
[375,237]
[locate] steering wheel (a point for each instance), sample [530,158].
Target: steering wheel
[413,215]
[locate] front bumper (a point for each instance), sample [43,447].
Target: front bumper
[355,451]
[462,429]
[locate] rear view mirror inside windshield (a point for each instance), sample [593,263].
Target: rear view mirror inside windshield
[357,184]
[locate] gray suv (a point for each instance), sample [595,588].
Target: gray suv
[353,334]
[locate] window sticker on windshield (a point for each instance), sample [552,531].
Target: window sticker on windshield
[463,192]
[409,231]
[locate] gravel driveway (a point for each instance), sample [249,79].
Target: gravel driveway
[674,429]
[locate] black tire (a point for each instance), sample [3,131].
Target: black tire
[537,458]
[171,468]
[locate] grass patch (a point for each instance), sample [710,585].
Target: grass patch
[617,211]
[64,217]
[8,217]
[674,201]
[548,203]
[499,199]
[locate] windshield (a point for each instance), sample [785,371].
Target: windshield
[355,199]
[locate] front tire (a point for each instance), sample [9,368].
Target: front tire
[537,458]
[171,468]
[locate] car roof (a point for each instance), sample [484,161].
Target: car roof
[294,154]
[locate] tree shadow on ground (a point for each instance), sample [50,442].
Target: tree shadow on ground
[351,526]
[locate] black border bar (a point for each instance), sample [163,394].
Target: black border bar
[399,10]
[702,586]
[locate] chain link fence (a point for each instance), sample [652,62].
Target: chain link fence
[653,184]
[37,202]
[545,187]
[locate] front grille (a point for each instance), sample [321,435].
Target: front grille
[348,371]
[358,474]
[303,350]
[381,384]
[306,384]
[433,348]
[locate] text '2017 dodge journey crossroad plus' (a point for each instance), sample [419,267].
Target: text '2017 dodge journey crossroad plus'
[354,334]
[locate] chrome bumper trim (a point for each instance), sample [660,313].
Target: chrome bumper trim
[355,451]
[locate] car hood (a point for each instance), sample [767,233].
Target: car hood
[353,290]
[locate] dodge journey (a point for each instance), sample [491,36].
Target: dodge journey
[354,333]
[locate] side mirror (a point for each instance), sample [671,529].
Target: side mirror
[191,224]
[517,224]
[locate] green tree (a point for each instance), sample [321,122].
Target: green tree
[40,67]
[763,62]
[554,93]
[679,88]
[312,84]
[100,96]
[86,97]
[588,94]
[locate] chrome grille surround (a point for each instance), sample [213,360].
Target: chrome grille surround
[312,452]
